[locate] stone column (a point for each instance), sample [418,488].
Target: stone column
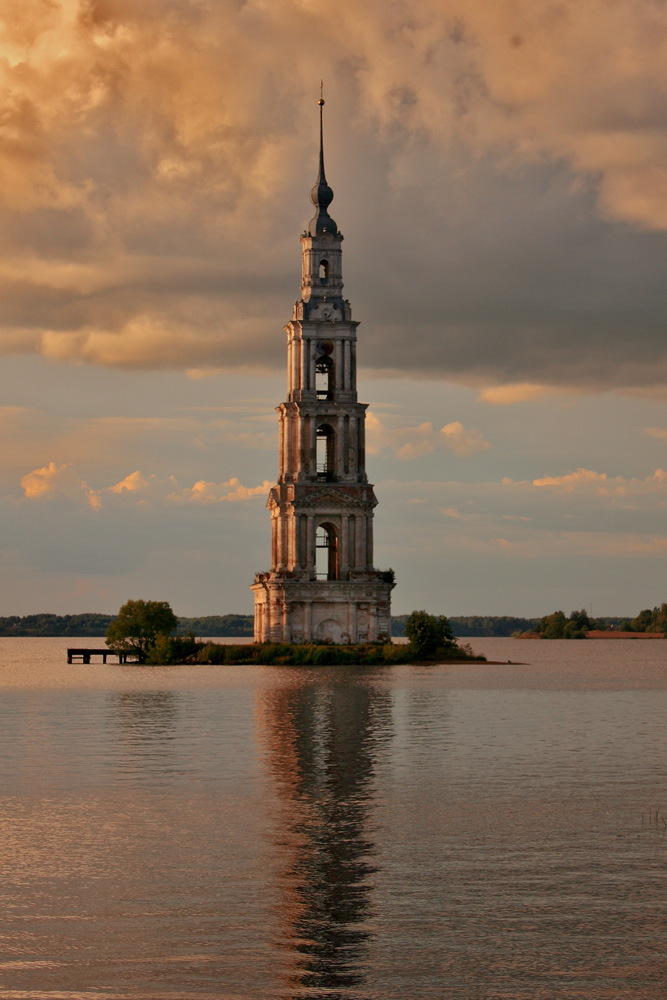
[311,365]
[344,547]
[313,444]
[372,622]
[352,618]
[354,447]
[301,542]
[305,430]
[339,373]
[301,444]
[295,363]
[281,443]
[274,543]
[358,555]
[281,542]
[289,530]
[369,540]
[347,348]
[310,544]
[304,366]
[268,616]
[340,444]
[346,444]
[287,443]
[293,445]
[361,541]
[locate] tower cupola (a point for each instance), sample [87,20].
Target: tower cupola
[322,195]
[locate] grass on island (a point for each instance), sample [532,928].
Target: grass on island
[187,650]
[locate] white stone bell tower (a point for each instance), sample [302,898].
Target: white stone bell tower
[322,585]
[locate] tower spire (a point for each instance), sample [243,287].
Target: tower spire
[322,195]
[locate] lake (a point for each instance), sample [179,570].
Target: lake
[466,831]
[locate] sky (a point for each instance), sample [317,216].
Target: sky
[499,169]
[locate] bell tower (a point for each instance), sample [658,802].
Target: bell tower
[322,585]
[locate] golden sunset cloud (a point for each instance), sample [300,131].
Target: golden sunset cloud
[153,154]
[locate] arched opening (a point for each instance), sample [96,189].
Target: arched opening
[324,377]
[324,271]
[326,453]
[326,552]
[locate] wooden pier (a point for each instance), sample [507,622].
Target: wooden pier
[86,655]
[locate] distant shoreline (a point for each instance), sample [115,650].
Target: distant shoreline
[599,634]
[94,624]
[594,634]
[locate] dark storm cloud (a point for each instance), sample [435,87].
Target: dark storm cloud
[499,169]
[511,279]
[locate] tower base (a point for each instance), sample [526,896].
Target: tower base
[338,611]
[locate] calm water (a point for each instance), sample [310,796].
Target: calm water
[464,831]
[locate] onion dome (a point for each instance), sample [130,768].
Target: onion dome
[321,196]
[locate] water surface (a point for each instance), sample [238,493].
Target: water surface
[477,831]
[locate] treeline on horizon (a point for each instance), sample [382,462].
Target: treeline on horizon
[558,626]
[94,624]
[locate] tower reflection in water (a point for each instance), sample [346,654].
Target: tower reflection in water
[323,740]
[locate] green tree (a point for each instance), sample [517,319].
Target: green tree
[650,621]
[660,620]
[557,626]
[428,634]
[552,626]
[138,625]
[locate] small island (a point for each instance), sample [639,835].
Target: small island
[148,632]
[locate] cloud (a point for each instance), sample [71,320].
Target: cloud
[655,432]
[57,480]
[154,489]
[585,501]
[600,482]
[539,79]
[528,79]
[462,441]
[102,446]
[582,477]
[615,522]
[156,160]
[507,395]
[136,488]
[543,544]
[137,483]
[412,441]
[229,492]
[452,512]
